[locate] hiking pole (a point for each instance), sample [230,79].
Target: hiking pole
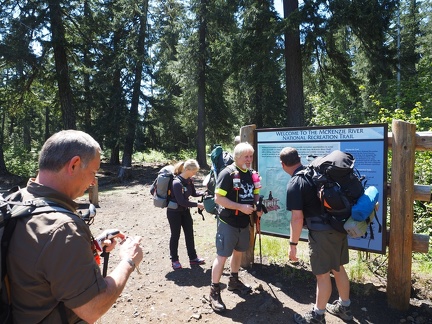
[106,235]
[259,236]
[260,206]
[256,230]
[105,255]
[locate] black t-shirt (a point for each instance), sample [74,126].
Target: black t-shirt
[302,195]
[224,187]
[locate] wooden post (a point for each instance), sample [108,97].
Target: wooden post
[401,215]
[94,193]
[247,135]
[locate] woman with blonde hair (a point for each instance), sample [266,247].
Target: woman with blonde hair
[180,217]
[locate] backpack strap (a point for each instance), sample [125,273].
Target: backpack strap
[307,174]
[370,225]
[232,167]
[10,215]
[22,209]
[170,187]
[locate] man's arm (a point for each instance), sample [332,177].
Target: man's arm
[227,203]
[116,281]
[296,226]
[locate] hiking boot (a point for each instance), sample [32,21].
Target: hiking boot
[235,284]
[176,265]
[216,300]
[197,261]
[309,317]
[344,312]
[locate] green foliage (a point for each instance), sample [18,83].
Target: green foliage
[423,167]
[150,157]
[418,116]
[156,156]
[357,269]
[422,262]
[21,162]
[276,249]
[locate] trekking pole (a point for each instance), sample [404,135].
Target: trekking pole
[259,236]
[106,235]
[260,207]
[256,230]
[105,255]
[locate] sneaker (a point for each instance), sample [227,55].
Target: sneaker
[197,260]
[216,300]
[309,317]
[176,265]
[344,312]
[236,284]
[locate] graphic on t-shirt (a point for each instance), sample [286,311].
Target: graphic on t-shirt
[247,190]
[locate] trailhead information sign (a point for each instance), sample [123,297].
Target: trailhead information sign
[368,145]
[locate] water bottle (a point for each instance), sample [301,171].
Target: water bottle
[256,179]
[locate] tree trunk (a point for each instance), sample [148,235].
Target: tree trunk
[3,169]
[114,157]
[47,123]
[87,63]
[115,115]
[293,70]
[61,64]
[133,113]
[27,132]
[201,144]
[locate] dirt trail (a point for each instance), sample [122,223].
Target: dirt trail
[162,295]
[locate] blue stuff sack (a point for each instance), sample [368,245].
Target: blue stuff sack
[365,204]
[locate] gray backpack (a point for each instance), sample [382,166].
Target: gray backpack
[162,185]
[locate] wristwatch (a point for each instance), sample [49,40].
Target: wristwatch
[292,243]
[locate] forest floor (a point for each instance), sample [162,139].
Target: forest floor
[161,295]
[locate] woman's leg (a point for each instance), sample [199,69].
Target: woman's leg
[187,224]
[175,222]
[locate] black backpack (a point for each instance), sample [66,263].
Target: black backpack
[339,186]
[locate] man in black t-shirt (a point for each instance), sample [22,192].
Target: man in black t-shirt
[328,247]
[236,196]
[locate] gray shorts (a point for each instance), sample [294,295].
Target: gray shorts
[229,238]
[328,250]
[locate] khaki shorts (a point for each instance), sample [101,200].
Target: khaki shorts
[328,250]
[229,238]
